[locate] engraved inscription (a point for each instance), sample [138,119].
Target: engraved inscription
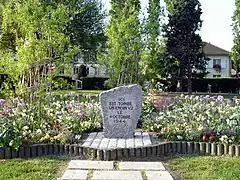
[120,110]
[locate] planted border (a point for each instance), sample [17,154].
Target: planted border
[163,149]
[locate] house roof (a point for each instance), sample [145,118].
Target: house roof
[210,49]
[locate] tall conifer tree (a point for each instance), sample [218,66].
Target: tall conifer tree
[184,46]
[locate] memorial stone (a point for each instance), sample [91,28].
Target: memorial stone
[121,110]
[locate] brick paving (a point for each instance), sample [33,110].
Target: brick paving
[97,140]
[109,170]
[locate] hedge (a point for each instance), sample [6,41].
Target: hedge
[223,85]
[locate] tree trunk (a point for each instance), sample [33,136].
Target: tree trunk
[180,88]
[190,84]
[189,79]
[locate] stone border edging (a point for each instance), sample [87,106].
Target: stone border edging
[163,149]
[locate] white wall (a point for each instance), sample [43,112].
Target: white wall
[225,67]
[94,69]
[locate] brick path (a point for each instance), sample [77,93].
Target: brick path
[97,140]
[109,170]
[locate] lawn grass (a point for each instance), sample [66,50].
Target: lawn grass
[32,169]
[207,168]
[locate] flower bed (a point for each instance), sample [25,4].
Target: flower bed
[47,119]
[35,118]
[196,118]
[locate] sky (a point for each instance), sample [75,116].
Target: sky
[217,20]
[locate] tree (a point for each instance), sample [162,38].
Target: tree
[184,46]
[153,49]
[86,26]
[37,40]
[235,54]
[123,46]
[38,33]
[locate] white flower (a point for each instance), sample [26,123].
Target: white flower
[24,133]
[39,131]
[223,138]
[179,137]
[25,128]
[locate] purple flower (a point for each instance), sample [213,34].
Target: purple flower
[89,96]
[15,100]
[220,98]
[2,101]
[10,108]
[19,105]
[230,100]
[82,114]
[79,95]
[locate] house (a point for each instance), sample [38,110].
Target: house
[76,67]
[219,66]
[220,63]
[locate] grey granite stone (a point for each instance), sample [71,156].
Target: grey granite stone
[138,139]
[117,175]
[90,139]
[146,139]
[130,143]
[99,142]
[84,164]
[121,143]
[112,143]
[96,142]
[75,174]
[141,166]
[153,175]
[104,143]
[121,110]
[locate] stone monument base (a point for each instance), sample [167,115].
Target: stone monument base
[97,141]
[142,145]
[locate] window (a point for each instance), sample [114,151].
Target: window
[217,76]
[216,62]
[79,84]
[75,70]
[61,71]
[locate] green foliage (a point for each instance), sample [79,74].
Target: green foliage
[60,84]
[86,26]
[184,46]
[38,35]
[123,47]
[170,6]
[235,54]
[152,54]
[37,32]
